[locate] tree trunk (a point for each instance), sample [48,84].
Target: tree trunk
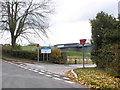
[13,41]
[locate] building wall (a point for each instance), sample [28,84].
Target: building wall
[74,47]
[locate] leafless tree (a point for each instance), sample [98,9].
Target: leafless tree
[20,17]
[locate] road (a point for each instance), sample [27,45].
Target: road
[57,68]
[14,76]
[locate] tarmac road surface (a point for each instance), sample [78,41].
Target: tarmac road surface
[14,76]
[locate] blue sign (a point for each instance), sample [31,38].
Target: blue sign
[45,49]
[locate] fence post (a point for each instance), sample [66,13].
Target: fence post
[64,57]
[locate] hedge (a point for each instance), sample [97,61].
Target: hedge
[56,56]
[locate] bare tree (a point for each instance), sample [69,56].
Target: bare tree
[19,17]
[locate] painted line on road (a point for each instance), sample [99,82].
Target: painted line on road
[5,61]
[40,73]
[69,82]
[48,75]
[65,78]
[35,71]
[56,78]
[30,69]
[25,68]
[21,66]
[18,65]
[56,75]
[10,63]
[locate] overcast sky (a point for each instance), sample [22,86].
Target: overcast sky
[71,21]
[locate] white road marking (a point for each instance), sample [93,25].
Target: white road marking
[40,66]
[67,67]
[40,73]
[48,75]
[57,78]
[25,68]
[16,64]
[30,69]
[11,63]
[65,78]
[5,61]
[69,82]
[21,66]
[56,75]
[36,71]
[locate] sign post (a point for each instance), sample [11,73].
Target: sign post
[38,52]
[82,41]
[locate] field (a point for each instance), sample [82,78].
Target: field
[32,48]
[29,48]
[72,56]
[69,53]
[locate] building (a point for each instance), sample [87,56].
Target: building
[74,47]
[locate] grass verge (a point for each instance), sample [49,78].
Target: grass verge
[76,53]
[95,78]
[8,57]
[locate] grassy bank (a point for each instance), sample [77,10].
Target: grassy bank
[76,53]
[69,53]
[8,57]
[95,78]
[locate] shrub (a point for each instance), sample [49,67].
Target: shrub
[56,56]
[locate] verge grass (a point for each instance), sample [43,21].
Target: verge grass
[76,53]
[8,57]
[95,78]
